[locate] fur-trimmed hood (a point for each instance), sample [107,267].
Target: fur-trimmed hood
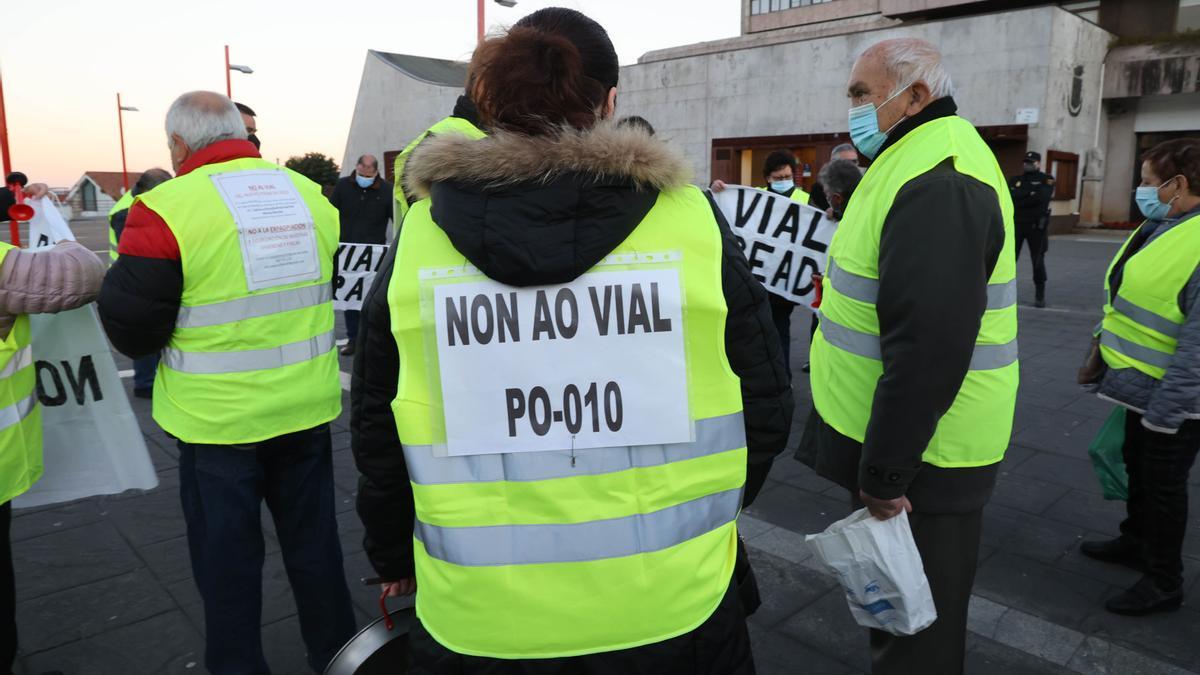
[530,211]
[606,151]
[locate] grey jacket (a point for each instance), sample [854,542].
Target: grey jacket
[1166,403]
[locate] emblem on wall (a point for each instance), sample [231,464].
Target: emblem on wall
[1075,98]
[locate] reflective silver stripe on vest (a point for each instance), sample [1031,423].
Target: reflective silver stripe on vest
[23,358]
[1146,318]
[714,435]
[1135,351]
[866,289]
[985,357]
[217,363]
[11,415]
[578,542]
[253,306]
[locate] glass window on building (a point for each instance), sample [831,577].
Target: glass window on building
[1189,15]
[765,6]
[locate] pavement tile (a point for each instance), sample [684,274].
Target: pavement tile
[1091,406]
[28,523]
[750,527]
[797,510]
[350,532]
[1039,589]
[827,627]
[1025,493]
[59,560]
[1063,439]
[1089,509]
[1074,472]
[1032,416]
[1117,576]
[83,611]
[162,645]
[169,560]
[187,598]
[782,543]
[1034,536]
[988,657]
[1172,637]
[1015,456]
[1100,657]
[983,616]
[364,597]
[777,654]
[786,587]
[1037,637]
[792,472]
[284,648]
[151,518]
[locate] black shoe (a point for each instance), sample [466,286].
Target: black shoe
[1039,296]
[1040,303]
[804,368]
[1119,551]
[348,350]
[1145,597]
[143,393]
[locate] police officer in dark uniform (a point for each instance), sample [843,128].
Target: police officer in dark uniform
[1031,195]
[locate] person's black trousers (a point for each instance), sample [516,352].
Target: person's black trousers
[352,318]
[8,593]
[1039,241]
[222,488]
[1158,465]
[949,546]
[781,312]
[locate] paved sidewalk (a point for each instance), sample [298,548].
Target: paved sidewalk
[104,585]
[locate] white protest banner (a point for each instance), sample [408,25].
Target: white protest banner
[47,225]
[786,242]
[598,362]
[92,444]
[276,231]
[354,268]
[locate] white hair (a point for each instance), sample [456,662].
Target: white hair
[909,60]
[201,118]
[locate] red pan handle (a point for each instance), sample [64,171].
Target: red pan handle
[387,616]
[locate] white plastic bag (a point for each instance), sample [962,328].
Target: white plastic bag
[880,569]
[47,226]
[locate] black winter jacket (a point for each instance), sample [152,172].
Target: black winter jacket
[544,211]
[363,212]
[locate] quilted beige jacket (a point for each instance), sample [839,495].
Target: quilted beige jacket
[47,281]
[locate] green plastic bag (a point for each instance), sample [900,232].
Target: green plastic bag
[1107,459]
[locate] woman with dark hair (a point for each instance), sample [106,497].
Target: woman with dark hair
[1150,343]
[542,535]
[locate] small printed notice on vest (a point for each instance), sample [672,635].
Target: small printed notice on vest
[595,363]
[786,242]
[275,228]
[354,268]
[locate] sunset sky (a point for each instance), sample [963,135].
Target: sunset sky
[64,62]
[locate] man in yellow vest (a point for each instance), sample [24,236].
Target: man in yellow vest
[914,365]
[463,120]
[225,269]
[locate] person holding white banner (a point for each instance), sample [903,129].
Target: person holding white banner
[55,280]
[226,270]
[541,455]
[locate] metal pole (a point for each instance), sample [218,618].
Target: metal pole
[228,83]
[121,128]
[4,132]
[479,23]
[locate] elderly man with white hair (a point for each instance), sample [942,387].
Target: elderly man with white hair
[225,270]
[914,366]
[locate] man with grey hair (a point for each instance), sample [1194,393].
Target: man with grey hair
[914,366]
[226,271]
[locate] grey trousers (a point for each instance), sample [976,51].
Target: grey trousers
[949,546]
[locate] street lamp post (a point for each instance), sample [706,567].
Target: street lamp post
[14,228]
[229,68]
[121,130]
[479,24]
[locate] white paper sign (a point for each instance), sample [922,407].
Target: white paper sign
[276,231]
[786,242]
[354,268]
[1027,115]
[598,362]
[92,444]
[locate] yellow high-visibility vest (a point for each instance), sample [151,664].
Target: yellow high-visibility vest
[1142,323]
[845,360]
[20,412]
[555,554]
[123,203]
[243,366]
[448,125]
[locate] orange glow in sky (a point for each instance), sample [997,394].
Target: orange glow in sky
[63,65]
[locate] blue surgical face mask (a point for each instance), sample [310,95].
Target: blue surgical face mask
[363,181]
[864,126]
[1149,204]
[782,186]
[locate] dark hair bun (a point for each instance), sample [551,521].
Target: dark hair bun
[542,74]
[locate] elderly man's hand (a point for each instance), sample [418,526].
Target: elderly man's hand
[717,186]
[36,190]
[885,509]
[395,589]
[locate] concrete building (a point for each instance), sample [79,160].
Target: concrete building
[1078,82]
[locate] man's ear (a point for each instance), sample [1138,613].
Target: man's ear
[919,96]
